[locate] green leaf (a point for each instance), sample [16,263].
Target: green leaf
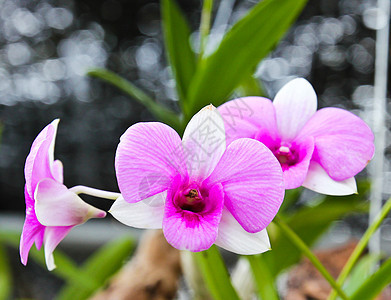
[66,268]
[374,284]
[303,247]
[290,198]
[309,223]
[99,267]
[361,272]
[250,86]
[215,274]
[264,280]
[177,41]
[159,111]
[5,275]
[248,41]
[206,16]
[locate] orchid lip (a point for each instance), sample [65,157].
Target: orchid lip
[191,199]
[286,155]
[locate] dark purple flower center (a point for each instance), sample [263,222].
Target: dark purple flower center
[190,199]
[286,156]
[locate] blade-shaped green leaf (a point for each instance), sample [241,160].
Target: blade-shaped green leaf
[66,267]
[374,284]
[177,41]
[360,273]
[264,280]
[159,111]
[248,41]
[100,267]
[215,274]
[309,223]
[5,275]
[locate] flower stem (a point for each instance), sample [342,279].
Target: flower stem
[298,242]
[80,189]
[206,16]
[361,246]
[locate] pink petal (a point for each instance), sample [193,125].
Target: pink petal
[295,104]
[319,181]
[186,230]
[295,175]
[39,161]
[55,205]
[32,230]
[234,238]
[343,142]
[53,236]
[253,183]
[148,157]
[147,213]
[244,117]
[204,142]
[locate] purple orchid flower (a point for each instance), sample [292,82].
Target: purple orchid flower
[321,150]
[51,209]
[196,189]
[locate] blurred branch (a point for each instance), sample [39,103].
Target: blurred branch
[152,273]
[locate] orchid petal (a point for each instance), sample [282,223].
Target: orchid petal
[39,161]
[204,142]
[343,142]
[147,213]
[148,156]
[319,181]
[234,238]
[295,103]
[253,183]
[32,230]
[295,175]
[244,117]
[186,230]
[53,236]
[55,205]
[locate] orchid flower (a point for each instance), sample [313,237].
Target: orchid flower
[51,208]
[321,150]
[197,190]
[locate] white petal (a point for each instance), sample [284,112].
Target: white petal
[204,142]
[147,213]
[55,205]
[51,148]
[319,181]
[295,103]
[52,237]
[234,238]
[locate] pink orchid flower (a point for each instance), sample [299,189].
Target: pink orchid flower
[196,189]
[321,150]
[51,209]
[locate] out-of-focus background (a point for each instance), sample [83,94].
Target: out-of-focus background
[47,46]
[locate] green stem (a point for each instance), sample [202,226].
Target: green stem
[297,241]
[206,17]
[361,246]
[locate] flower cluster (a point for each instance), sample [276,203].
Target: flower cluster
[222,183]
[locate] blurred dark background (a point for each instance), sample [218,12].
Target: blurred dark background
[47,46]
